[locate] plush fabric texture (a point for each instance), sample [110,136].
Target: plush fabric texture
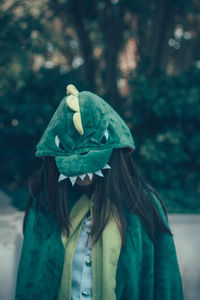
[144,271]
[99,120]
[150,272]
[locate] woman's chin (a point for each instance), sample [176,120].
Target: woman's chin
[83,183]
[86,181]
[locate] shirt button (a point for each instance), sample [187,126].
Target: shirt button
[88,262]
[84,294]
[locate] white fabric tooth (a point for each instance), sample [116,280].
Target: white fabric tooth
[82,176]
[90,175]
[106,134]
[62,177]
[73,179]
[107,167]
[99,173]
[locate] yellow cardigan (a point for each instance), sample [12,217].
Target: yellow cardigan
[105,254]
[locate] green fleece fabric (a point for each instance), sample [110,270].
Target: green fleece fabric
[81,136]
[144,271]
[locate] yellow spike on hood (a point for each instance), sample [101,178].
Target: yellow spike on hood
[72,90]
[78,123]
[72,103]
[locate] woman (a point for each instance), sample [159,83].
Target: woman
[94,227]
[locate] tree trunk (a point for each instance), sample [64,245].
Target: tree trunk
[113,26]
[153,35]
[78,11]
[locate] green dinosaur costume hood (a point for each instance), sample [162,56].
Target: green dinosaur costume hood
[82,134]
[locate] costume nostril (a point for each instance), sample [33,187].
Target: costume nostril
[83,153]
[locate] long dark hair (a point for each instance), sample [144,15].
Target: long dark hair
[123,185]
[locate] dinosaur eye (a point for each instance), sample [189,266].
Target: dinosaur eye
[58,143]
[105,137]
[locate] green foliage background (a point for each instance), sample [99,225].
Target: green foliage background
[46,45]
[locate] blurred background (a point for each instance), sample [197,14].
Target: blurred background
[143,58]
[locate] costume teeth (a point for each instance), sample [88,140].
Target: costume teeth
[107,167]
[62,177]
[90,175]
[82,176]
[99,173]
[73,179]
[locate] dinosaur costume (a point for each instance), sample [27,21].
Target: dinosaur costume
[81,136]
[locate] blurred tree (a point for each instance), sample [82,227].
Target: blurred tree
[142,56]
